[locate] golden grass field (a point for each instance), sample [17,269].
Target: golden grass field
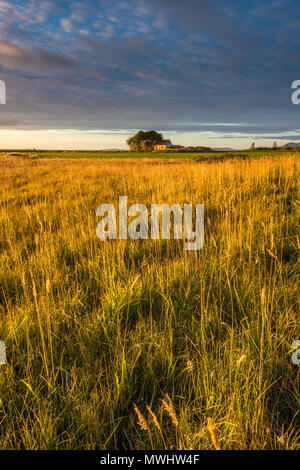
[141,344]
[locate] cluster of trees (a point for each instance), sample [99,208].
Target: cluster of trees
[144,141]
[274,147]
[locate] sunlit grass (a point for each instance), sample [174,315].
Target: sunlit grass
[94,329]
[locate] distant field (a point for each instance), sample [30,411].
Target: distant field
[154,155]
[213,155]
[135,344]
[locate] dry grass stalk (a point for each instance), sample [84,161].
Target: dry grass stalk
[169,408]
[213,432]
[48,285]
[141,420]
[154,417]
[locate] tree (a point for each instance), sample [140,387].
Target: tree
[144,141]
[275,146]
[135,142]
[252,146]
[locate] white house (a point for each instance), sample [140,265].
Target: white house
[166,145]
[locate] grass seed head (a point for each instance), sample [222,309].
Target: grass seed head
[169,408]
[141,420]
[154,417]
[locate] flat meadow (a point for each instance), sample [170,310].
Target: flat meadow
[141,344]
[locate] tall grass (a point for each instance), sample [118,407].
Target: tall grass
[98,330]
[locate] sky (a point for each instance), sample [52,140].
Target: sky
[88,74]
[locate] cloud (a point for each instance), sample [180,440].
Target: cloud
[67,25]
[34,59]
[8,49]
[177,66]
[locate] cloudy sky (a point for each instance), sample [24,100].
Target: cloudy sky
[87,74]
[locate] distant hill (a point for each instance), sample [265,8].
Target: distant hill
[224,149]
[113,150]
[290,145]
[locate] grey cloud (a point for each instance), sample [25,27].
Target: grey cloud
[34,59]
[166,64]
